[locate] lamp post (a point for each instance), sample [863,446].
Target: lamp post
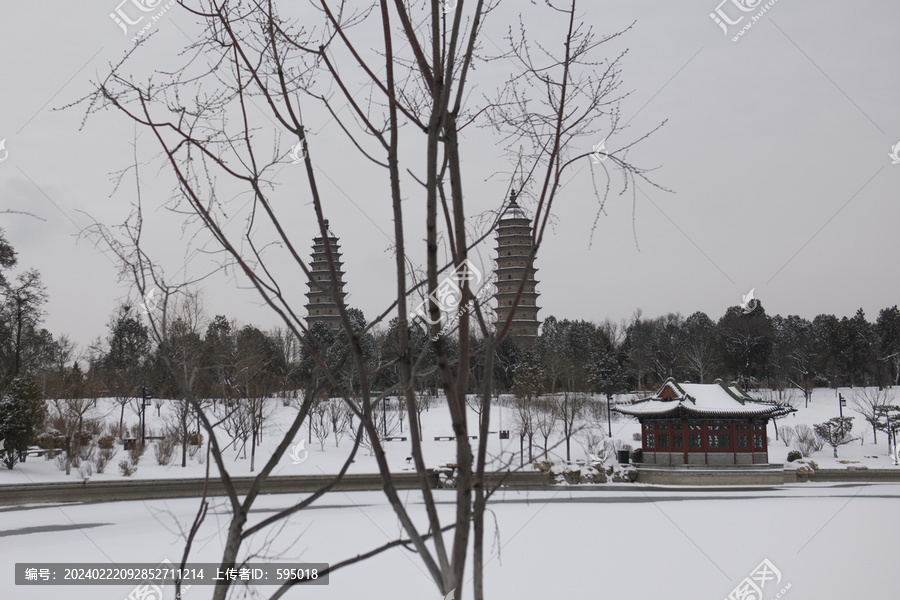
[608,412]
[145,402]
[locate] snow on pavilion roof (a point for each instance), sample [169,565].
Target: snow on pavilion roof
[714,399]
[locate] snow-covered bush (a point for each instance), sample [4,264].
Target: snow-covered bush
[787,435]
[836,432]
[85,470]
[126,468]
[165,448]
[807,440]
[637,455]
[794,455]
[135,453]
[104,456]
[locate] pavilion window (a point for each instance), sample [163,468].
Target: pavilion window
[694,440]
[677,441]
[742,441]
[757,441]
[663,440]
[649,440]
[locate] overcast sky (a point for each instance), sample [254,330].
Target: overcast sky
[776,151]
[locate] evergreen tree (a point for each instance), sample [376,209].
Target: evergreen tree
[22,413]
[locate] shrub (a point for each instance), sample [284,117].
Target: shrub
[135,453]
[106,442]
[81,438]
[807,440]
[104,456]
[637,455]
[787,435]
[126,468]
[85,470]
[636,436]
[86,451]
[46,440]
[794,455]
[165,449]
[195,438]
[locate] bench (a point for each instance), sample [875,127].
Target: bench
[395,439]
[42,451]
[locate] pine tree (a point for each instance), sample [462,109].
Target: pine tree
[22,413]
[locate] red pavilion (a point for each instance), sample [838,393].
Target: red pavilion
[703,424]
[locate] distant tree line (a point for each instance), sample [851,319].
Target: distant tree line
[755,349]
[226,361]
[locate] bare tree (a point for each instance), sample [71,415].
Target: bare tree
[569,409]
[548,114]
[321,424]
[68,419]
[546,423]
[870,402]
[339,417]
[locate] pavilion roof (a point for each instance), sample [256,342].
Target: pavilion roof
[697,399]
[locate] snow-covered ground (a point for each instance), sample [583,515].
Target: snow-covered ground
[828,541]
[328,459]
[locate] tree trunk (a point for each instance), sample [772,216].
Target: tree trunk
[253,451]
[184,439]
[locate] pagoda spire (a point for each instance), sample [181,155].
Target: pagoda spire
[320,305]
[514,264]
